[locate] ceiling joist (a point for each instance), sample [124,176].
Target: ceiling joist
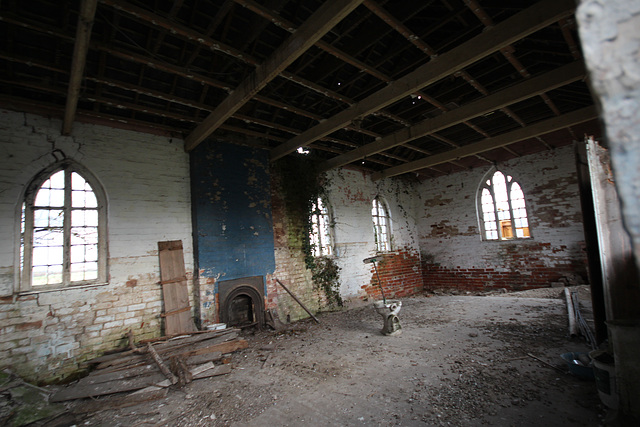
[511,30]
[527,89]
[381,87]
[323,20]
[83,35]
[531,131]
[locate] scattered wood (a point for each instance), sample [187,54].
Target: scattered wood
[174,361]
[179,366]
[573,329]
[146,394]
[163,368]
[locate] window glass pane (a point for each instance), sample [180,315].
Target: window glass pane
[57,180]
[48,237]
[84,235]
[84,271]
[78,199]
[77,218]
[78,182]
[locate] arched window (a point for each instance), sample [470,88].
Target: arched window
[63,230]
[502,208]
[320,234]
[381,225]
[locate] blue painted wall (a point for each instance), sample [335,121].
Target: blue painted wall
[231,196]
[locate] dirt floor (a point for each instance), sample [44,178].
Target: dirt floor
[462,360]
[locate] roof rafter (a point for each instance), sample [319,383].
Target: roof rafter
[80,49]
[518,26]
[526,89]
[531,131]
[323,20]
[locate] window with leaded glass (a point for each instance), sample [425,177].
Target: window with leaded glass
[503,214]
[62,230]
[381,225]
[320,234]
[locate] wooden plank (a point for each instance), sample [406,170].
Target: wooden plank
[97,377]
[323,20]
[505,33]
[540,128]
[146,394]
[213,372]
[225,347]
[83,35]
[130,359]
[204,371]
[101,389]
[174,293]
[203,358]
[516,93]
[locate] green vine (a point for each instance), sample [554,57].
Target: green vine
[301,185]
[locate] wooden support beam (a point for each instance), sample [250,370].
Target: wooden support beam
[521,91]
[509,31]
[83,35]
[531,131]
[323,20]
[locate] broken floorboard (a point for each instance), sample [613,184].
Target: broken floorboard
[190,358]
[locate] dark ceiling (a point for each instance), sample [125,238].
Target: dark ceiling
[393,87]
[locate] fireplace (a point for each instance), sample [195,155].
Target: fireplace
[242,301]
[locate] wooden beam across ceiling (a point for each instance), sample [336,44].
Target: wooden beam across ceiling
[519,92]
[511,30]
[531,131]
[323,20]
[83,35]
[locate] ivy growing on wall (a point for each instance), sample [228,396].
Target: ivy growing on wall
[301,185]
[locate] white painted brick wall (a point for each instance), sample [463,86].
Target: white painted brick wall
[350,194]
[548,182]
[146,180]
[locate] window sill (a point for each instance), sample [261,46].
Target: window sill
[64,288]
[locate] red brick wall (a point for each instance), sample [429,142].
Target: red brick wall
[400,275]
[525,267]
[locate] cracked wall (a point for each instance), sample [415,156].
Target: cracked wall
[454,254]
[232,218]
[46,335]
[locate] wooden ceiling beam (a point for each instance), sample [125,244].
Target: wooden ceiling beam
[531,131]
[519,92]
[181,30]
[80,49]
[323,20]
[507,32]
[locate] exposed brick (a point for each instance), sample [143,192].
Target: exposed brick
[29,326]
[146,181]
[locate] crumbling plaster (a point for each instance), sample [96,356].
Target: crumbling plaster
[146,181]
[448,224]
[350,194]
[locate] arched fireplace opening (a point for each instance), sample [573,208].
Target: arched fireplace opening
[242,302]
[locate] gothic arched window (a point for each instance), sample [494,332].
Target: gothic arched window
[63,230]
[503,214]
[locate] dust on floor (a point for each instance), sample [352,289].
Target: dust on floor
[461,360]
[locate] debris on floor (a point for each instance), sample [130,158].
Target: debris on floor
[23,404]
[148,371]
